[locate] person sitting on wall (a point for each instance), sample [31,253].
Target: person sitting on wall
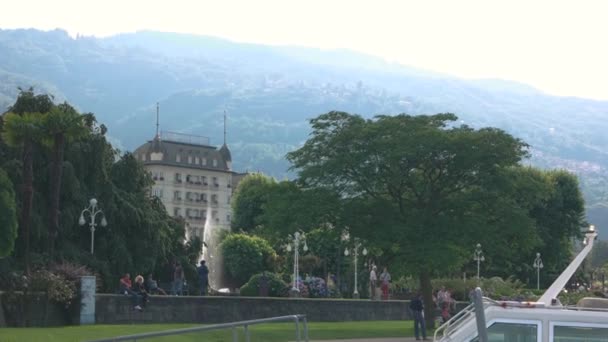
[124,285]
[140,290]
[152,286]
[125,288]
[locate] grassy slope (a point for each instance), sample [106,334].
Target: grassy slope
[263,333]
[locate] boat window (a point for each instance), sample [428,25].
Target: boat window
[579,334]
[511,332]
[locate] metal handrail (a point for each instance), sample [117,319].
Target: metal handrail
[233,326]
[458,319]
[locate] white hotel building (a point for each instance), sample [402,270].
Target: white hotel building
[193,179]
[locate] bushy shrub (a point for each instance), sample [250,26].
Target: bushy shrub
[246,255]
[275,286]
[316,287]
[58,288]
[495,288]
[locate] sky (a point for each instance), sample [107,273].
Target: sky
[560,47]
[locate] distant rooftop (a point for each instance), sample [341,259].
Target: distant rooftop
[184,138]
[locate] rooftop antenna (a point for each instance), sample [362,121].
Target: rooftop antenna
[224,126]
[157,124]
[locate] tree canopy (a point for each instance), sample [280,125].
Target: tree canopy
[426,190]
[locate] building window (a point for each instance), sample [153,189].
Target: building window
[204,197]
[178,177]
[157,192]
[205,180]
[143,157]
[196,160]
[214,199]
[189,159]
[215,182]
[161,176]
[178,158]
[204,214]
[204,161]
[228,199]
[214,162]
[177,196]
[177,212]
[228,218]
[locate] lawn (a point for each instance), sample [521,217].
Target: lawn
[260,333]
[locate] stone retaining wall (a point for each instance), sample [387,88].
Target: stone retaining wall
[112,309]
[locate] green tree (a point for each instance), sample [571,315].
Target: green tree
[21,129]
[559,217]
[412,182]
[249,198]
[60,126]
[8,216]
[289,208]
[246,255]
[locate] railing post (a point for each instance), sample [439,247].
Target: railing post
[305,329]
[235,335]
[246,327]
[297,319]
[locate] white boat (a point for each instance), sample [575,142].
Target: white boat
[546,320]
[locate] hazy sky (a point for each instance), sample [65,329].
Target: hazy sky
[558,46]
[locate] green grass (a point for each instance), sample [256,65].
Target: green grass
[259,333]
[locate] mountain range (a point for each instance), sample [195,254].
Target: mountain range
[269,93]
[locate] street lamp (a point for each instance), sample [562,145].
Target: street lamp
[478,256]
[538,264]
[92,210]
[296,239]
[355,255]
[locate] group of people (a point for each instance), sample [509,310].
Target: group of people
[383,279]
[140,291]
[445,303]
[179,278]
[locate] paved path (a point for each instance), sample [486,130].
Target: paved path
[392,339]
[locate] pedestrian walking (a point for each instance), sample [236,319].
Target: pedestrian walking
[417,309]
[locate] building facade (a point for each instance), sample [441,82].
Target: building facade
[193,179]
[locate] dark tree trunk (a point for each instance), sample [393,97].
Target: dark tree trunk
[26,205]
[427,296]
[55,191]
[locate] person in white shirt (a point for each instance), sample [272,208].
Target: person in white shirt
[373,279]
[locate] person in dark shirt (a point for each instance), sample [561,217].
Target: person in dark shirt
[203,277]
[417,308]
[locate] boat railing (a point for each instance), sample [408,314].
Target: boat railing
[453,323]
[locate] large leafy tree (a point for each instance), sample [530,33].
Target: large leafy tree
[415,184]
[140,237]
[60,126]
[8,215]
[249,198]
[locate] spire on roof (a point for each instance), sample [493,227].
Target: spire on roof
[157,136]
[224,127]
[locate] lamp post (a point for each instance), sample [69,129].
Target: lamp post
[355,255]
[538,264]
[478,256]
[295,240]
[92,210]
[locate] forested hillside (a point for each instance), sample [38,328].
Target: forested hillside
[270,92]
